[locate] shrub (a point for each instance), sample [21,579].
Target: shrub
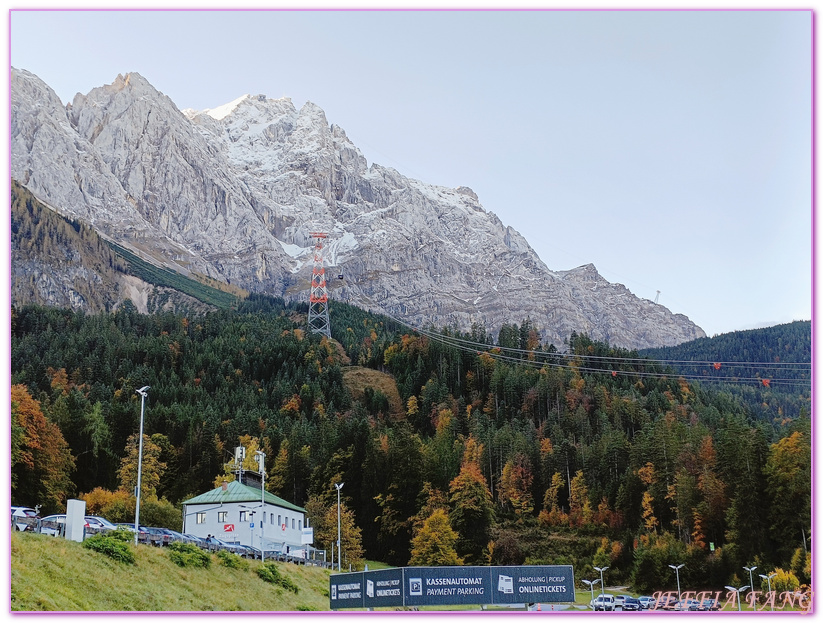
[784,581]
[188,555]
[232,561]
[154,512]
[112,545]
[269,572]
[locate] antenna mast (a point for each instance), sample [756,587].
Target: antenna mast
[319,297]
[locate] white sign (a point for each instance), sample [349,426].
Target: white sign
[307,538]
[505,584]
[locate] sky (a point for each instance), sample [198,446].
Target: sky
[671,149]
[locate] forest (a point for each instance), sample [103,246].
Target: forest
[504,451]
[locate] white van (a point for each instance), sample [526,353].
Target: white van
[602,602]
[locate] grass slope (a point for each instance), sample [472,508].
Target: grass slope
[357,379]
[53,574]
[171,279]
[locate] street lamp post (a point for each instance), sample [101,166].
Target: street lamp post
[143,391]
[738,591]
[677,571]
[260,457]
[602,583]
[339,549]
[751,579]
[768,579]
[590,584]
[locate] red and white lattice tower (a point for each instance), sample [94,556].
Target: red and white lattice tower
[319,296]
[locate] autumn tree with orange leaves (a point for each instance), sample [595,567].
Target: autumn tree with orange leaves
[41,460]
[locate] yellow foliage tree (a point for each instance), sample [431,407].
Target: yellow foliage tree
[434,545]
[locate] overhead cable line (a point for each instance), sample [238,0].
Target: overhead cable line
[563,359]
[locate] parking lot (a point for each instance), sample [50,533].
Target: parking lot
[55,526]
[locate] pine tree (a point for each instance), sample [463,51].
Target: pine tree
[472,510]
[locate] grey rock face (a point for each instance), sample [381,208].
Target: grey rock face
[235,192]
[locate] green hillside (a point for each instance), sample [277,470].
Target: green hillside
[780,354]
[168,278]
[500,451]
[53,574]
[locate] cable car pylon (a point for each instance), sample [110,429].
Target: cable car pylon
[319,296]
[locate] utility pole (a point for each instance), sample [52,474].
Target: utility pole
[319,296]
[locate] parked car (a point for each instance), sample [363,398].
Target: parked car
[687,604]
[618,601]
[157,536]
[97,524]
[23,512]
[179,537]
[602,602]
[197,540]
[709,605]
[667,603]
[142,535]
[101,523]
[248,551]
[234,548]
[631,603]
[646,602]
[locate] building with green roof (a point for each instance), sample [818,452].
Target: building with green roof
[235,512]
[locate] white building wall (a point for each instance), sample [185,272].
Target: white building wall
[273,531]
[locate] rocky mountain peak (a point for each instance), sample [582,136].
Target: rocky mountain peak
[234,192]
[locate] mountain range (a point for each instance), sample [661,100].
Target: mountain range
[232,195]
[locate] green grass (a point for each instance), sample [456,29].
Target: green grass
[171,279]
[53,574]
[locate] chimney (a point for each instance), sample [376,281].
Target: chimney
[225,486]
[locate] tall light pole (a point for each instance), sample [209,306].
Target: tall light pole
[590,584]
[677,571]
[768,578]
[602,583]
[143,391]
[751,579]
[738,591]
[339,549]
[260,457]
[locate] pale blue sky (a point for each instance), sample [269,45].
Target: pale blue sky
[671,149]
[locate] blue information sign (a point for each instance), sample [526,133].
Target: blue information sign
[346,590]
[383,587]
[443,586]
[515,585]
[438,586]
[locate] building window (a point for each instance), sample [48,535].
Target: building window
[299,524]
[280,520]
[221,516]
[292,523]
[264,517]
[201,517]
[244,516]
